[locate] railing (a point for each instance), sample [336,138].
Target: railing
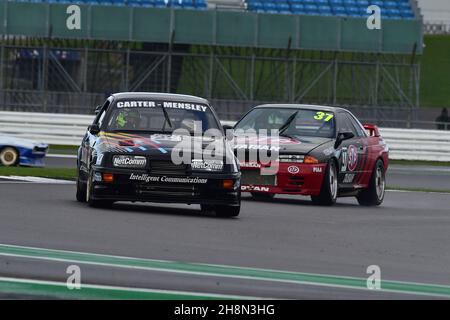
[68,129]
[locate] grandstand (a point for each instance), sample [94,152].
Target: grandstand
[235,53]
[391,9]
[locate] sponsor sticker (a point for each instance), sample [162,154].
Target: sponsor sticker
[153,104]
[256,147]
[255,188]
[207,164]
[293,169]
[185,106]
[136,104]
[250,165]
[148,178]
[317,169]
[352,157]
[129,161]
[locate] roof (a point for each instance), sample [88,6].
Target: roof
[160,96]
[302,106]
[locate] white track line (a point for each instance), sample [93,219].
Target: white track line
[36,180]
[134,289]
[65,156]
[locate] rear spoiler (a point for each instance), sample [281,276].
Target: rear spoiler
[372,129]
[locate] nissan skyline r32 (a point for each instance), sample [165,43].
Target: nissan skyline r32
[323,152]
[126,154]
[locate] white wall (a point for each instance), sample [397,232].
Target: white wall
[437,11]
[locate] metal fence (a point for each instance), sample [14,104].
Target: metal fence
[72,77]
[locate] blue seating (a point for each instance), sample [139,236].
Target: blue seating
[269,6]
[283,6]
[362,3]
[378,3]
[254,6]
[390,9]
[160,4]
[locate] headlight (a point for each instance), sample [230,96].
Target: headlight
[291,158]
[207,165]
[129,161]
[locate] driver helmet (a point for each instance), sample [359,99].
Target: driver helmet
[128,119]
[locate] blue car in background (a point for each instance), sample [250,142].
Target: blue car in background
[17,151]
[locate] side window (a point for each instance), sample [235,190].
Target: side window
[101,116]
[345,124]
[358,127]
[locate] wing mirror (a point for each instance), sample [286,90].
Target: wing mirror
[372,130]
[97,110]
[227,127]
[342,136]
[228,130]
[94,129]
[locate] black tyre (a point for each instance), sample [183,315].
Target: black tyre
[89,190]
[222,210]
[9,157]
[262,196]
[81,191]
[329,190]
[374,194]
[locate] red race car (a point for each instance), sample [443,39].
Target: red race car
[323,152]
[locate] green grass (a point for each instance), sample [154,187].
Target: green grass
[421,163]
[435,75]
[53,173]
[61,149]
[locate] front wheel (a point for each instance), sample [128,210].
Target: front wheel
[329,190]
[89,191]
[222,210]
[374,194]
[9,157]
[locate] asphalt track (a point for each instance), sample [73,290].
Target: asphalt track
[320,247]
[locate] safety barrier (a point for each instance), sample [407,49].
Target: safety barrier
[65,129]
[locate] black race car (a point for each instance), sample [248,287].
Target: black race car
[131,152]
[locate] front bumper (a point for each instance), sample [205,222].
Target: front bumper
[291,178]
[31,158]
[141,186]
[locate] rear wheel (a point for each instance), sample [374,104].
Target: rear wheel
[9,157]
[329,190]
[262,196]
[222,210]
[89,191]
[374,194]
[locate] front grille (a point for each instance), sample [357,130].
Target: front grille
[169,190]
[296,181]
[167,167]
[254,177]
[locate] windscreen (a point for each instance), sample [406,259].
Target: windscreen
[300,122]
[160,116]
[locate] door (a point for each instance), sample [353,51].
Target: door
[89,139]
[353,155]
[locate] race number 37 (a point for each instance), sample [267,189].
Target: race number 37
[323,116]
